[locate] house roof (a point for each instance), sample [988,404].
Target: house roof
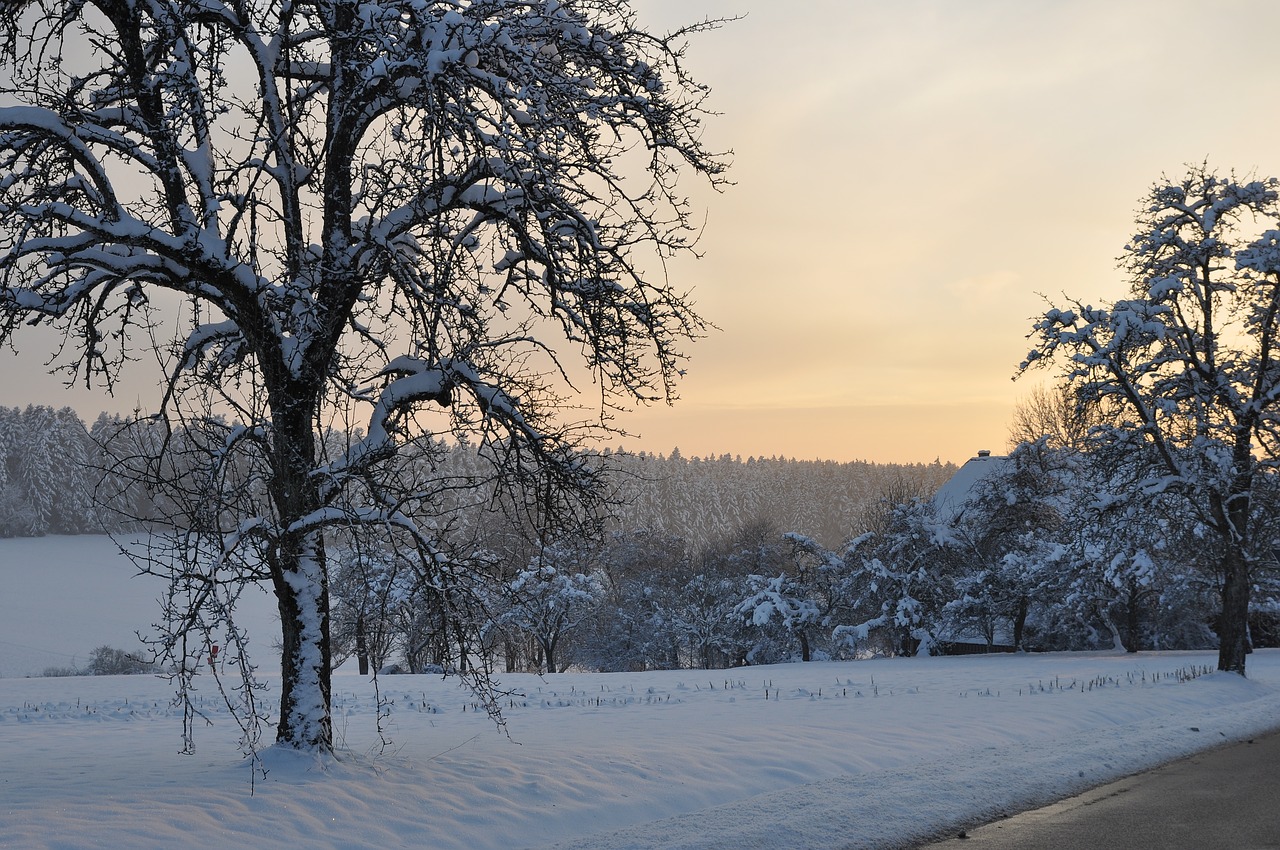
[952,497]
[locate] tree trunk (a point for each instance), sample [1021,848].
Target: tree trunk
[299,571]
[362,645]
[1133,620]
[302,594]
[549,651]
[804,646]
[1233,626]
[511,653]
[1233,525]
[1117,641]
[1020,623]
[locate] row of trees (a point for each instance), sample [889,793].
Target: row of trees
[1123,517]
[701,500]
[107,661]
[1053,549]
[629,600]
[58,476]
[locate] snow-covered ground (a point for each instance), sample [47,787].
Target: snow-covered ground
[61,597]
[824,755]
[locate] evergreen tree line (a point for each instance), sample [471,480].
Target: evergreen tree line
[705,500]
[60,477]
[49,476]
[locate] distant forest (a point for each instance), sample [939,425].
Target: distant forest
[56,478]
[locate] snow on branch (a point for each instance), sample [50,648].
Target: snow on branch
[777,597]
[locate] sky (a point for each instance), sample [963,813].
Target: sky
[912,180]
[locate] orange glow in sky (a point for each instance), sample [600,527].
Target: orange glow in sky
[910,175]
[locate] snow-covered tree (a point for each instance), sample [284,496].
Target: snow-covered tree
[410,211]
[548,600]
[1187,365]
[818,590]
[898,583]
[1008,540]
[699,614]
[1053,415]
[781,600]
[372,594]
[628,632]
[1131,568]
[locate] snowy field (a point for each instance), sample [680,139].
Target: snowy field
[878,753]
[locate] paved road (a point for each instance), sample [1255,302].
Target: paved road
[1223,799]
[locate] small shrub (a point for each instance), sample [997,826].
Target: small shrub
[109,661]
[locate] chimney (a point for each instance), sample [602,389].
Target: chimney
[984,453]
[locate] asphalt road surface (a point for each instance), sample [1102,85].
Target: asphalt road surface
[1223,799]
